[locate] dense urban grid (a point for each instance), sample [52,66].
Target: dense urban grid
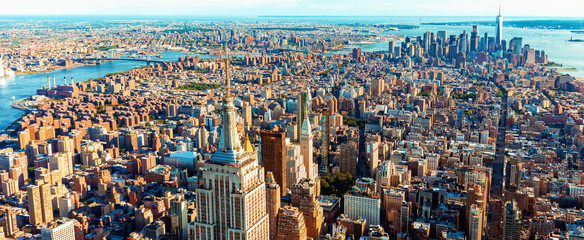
[278,134]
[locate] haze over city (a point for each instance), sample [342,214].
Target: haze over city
[291,120]
[560,8]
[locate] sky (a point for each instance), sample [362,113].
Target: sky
[542,8]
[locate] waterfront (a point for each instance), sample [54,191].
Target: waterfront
[25,85]
[553,42]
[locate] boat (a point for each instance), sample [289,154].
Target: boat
[13,97]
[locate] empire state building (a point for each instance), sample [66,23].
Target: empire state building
[231,197]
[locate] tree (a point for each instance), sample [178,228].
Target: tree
[336,184]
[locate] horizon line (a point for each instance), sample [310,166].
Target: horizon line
[285,16]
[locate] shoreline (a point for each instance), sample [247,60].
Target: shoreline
[54,68]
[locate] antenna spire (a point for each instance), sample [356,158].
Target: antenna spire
[499,9]
[227,80]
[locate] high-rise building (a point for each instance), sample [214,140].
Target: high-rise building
[404,222]
[47,202]
[178,217]
[272,202]
[274,155]
[301,111]
[499,29]
[348,157]
[291,224]
[34,205]
[306,140]
[247,116]
[512,221]
[295,164]
[474,39]
[377,87]
[325,142]
[305,197]
[61,230]
[362,202]
[11,226]
[231,200]
[373,156]
[475,227]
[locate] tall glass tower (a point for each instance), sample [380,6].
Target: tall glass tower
[499,29]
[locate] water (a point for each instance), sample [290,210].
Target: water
[553,42]
[25,85]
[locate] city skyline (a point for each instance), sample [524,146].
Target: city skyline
[537,8]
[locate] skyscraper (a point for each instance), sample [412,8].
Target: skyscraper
[512,221]
[306,140]
[231,200]
[274,155]
[178,217]
[34,205]
[499,29]
[10,223]
[475,227]
[305,197]
[291,224]
[272,202]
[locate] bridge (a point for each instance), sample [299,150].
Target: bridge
[288,49]
[99,60]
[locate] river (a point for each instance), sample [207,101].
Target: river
[25,85]
[553,42]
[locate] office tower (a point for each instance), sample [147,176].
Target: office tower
[178,217]
[475,231]
[397,52]
[348,157]
[301,112]
[272,202]
[306,139]
[377,87]
[295,164]
[363,202]
[499,30]
[372,156]
[442,37]
[291,224]
[247,116]
[515,45]
[11,226]
[325,141]
[305,197]
[405,217]
[512,221]
[356,53]
[485,43]
[474,39]
[273,144]
[426,41]
[61,230]
[34,205]
[231,200]
[391,49]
